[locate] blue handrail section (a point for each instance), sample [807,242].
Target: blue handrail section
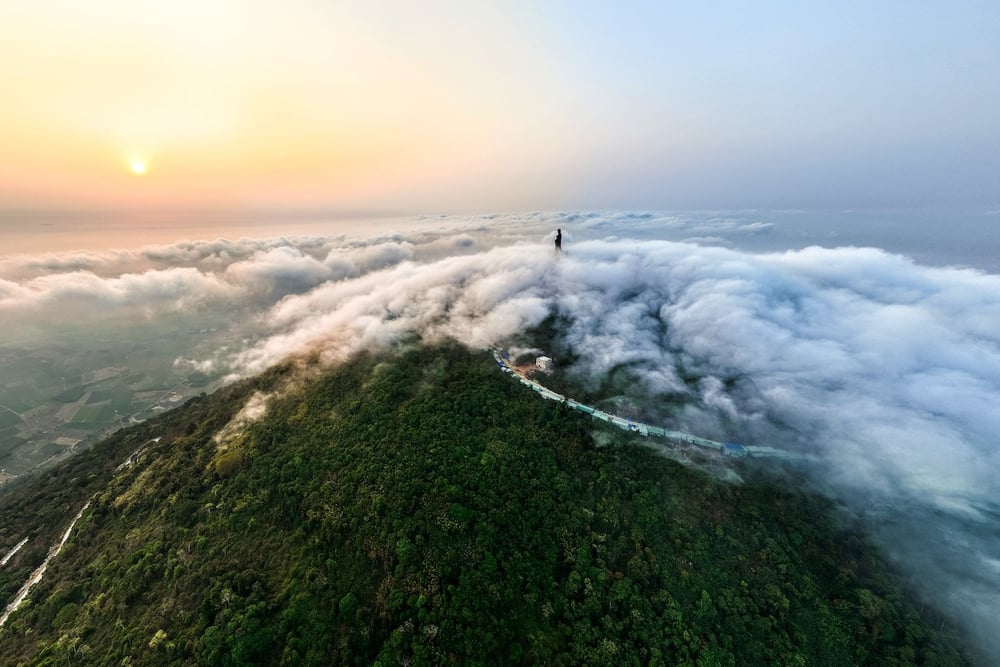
[730,449]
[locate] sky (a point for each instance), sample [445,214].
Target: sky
[478,106]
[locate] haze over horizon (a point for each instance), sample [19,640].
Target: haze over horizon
[472,107]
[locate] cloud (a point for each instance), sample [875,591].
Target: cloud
[83,291]
[470,298]
[187,275]
[255,408]
[281,271]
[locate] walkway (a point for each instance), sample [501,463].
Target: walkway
[731,449]
[39,572]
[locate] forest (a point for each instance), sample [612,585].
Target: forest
[418,507]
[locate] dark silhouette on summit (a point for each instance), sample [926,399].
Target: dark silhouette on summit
[558,240]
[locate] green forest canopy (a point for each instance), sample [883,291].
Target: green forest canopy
[422,507]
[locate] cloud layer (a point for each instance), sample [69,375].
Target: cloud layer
[888,370]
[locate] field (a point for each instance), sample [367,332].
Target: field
[57,398]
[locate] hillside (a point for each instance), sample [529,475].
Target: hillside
[422,508]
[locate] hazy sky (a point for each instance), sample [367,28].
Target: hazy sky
[463,105]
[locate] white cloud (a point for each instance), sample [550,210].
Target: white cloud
[169,289]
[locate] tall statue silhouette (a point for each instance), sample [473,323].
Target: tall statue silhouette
[558,240]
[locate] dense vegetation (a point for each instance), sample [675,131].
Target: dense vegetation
[424,508]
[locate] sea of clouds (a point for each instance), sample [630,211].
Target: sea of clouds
[886,370]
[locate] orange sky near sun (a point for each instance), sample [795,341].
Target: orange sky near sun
[251,103]
[474,105]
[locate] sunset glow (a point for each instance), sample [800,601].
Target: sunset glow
[473,106]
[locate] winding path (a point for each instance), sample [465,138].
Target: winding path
[36,576]
[726,448]
[10,554]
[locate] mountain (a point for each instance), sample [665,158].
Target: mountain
[421,508]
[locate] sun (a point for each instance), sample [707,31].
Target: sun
[137,167]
